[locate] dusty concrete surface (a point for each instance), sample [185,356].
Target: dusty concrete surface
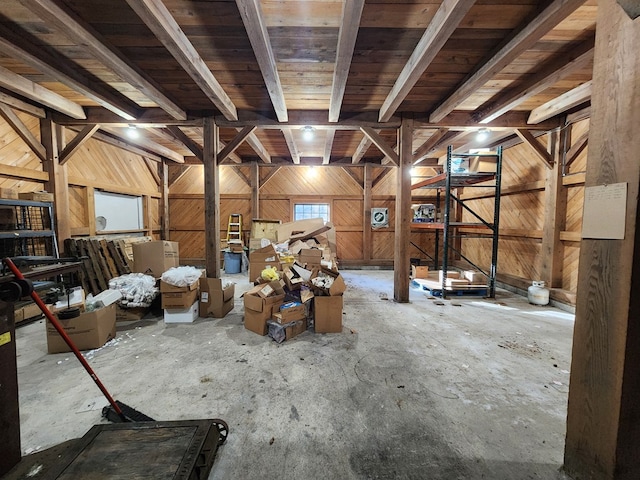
[472,389]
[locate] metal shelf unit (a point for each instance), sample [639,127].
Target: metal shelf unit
[448,181]
[27,228]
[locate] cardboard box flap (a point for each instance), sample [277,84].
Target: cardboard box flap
[294,229]
[328,281]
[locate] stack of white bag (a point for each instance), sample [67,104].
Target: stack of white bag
[181,276]
[138,289]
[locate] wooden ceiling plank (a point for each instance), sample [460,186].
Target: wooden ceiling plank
[25,107]
[145,143]
[182,137]
[291,145]
[254,23]
[443,24]
[22,86]
[15,43]
[160,21]
[379,142]
[542,153]
[23,132]
[349,26]
[78,141]
[254,142]
[83,34]
[363,146]
[554,13]
[427,147]
[561,104]
[233,145]
[561,66]
[328,146]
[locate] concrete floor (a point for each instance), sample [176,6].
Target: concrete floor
[407,391]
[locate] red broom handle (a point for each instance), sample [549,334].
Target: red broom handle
[54,321]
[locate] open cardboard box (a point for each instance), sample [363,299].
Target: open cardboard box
[215,301]
[88,331]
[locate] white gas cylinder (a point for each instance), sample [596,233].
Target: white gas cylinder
[538,294]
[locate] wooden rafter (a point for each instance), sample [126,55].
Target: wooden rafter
[561,104]
[379,142]
[25,107]
[291,145]
[22,86]
[362,148]
[553,14]
[251,14]
[549,74]
[121,143]
[445,21]
[78,141]
[254,142]
[492,138]
[176,173]
[349,25]
[16,42]
[23,132]
[160,21]
[380,177]
[328,146]
[355,178]
[83,34]
[539,149]
[576,149]
[269,175]
[427,147]
[146,144]
[241,174]
[183,138]
[235,143]
[153,170]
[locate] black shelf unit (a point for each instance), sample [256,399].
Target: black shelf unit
[448,181]
[27,228]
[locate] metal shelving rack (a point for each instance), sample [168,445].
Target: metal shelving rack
[448,181]
[27,228]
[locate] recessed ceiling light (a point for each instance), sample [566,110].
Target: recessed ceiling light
[132,132]
[308,132]
[482,134]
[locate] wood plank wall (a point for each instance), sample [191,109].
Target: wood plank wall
[102,166]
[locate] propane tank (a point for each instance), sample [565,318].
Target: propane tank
[538,294]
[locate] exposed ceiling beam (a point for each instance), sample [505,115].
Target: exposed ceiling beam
[253,20]
[291,145]
[235,143]
[576,149]
[549,74]
[328,146]
[19,45]
[492,139]
[349,25]
[427,147]
[522,40]
[561,104]
[25,107]
[145,143]
[254,142]
[121,144]
[444,22]
[83,34]
[23,131]
[578,115]
[160,21]
[379,142]
[150,117]
[542,153]
[153,170]
[74,145]
[363,146]
[186,141]
[22,86]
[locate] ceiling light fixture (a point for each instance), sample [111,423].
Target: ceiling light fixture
[308,133]
[132,132]
[482,134]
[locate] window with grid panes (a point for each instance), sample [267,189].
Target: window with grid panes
[303,211]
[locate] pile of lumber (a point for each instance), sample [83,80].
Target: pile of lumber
[103,258]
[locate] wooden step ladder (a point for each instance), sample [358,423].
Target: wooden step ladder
[234,230]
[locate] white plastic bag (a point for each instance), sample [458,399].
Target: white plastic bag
[181,276]
[137,289]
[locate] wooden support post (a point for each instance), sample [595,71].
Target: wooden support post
[555,214]
[255,191]
[211,199]
[164,200]
[148,217]
[91,210]
[58,183]
[401,261]
[603,432]
[367,237]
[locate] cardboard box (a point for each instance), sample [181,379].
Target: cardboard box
[156,257]
[310,256]
[483,164]
[338,286]
[89,330]
[36,196]
[292,280]
[450,274]
[181,315]
[9,193]
[258,310]
[475,277]
[328,314]
[281,333]
[290,312]
[257,321]
[130,314]
[178,299]
[419,271]
[215,301]
[261,259]
[26,311]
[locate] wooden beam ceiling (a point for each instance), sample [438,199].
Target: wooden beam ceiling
[291,145]
[561,104]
